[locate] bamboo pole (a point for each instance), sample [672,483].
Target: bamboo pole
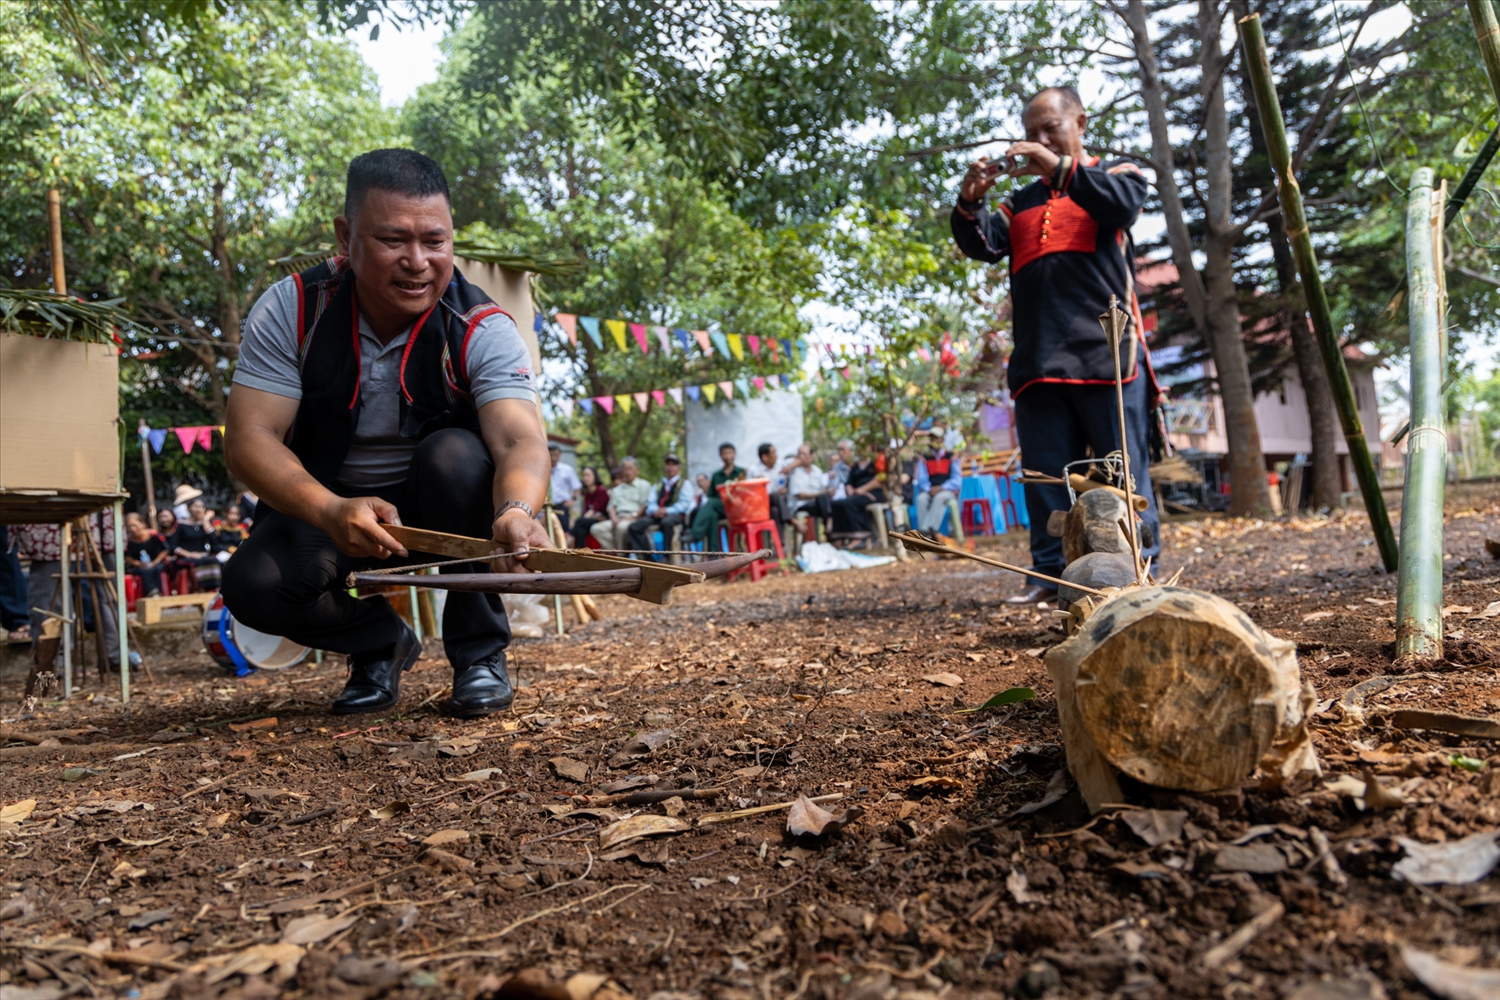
[122,613]
[65,544]
[1487,33]
[1471,177]
[1419,589]
[54,223]
[1295,219]
[146,468]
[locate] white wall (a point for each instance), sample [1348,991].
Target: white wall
[775,416]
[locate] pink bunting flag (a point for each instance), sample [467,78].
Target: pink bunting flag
[701,336]
[187,435]
[754,344]
[663,338]
[924,354]
[569,323]
[640,400]
[759,383]
[206,438]
[639,333]
[608,402]
[659,397]
[676,394]
[727,388]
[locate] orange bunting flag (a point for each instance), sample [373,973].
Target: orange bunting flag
[569,323]
[701,336]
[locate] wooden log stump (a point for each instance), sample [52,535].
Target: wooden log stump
[1180,689]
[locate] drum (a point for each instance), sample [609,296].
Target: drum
[240,648]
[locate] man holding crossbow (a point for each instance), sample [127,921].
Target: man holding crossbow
[379,387]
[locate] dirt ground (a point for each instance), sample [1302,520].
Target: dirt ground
[220,837]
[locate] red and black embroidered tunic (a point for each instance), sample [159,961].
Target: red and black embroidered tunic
[1070,249]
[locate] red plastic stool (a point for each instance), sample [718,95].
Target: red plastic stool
[132,591]
[182,582]
[756,530]
[978,518]
[1008,516]
[590,542]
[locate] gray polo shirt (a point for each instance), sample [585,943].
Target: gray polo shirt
[499,368]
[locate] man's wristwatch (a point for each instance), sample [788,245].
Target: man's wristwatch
[507,505]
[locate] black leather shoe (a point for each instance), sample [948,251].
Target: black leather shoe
[375,677]
[483,689]
[1034,594]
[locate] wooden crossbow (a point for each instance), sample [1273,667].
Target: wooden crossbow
[548,571]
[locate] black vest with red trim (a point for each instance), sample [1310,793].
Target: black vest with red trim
[433,378]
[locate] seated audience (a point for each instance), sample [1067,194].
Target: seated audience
[668,507]
[593,505]
[938,483]
[861,489]
[229,534]
[627,501]
[809,490]
[771,470]
[145,554]
[711,511]
[195,545]
[564,486]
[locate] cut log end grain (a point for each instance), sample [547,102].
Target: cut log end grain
[1179,689]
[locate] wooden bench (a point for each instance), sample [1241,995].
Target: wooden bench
[149,608]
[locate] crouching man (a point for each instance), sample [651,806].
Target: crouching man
[380,387]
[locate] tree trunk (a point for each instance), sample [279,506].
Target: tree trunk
[601,418]
[1249,492]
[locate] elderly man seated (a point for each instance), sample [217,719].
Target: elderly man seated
[938,484]
[627,501]
[670,502]
[809,490]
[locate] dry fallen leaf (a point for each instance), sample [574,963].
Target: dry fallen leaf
[1016,883]
[18,812]
[1457,609]
[806,817]
[447,862]
[934,783]
[255,960]
[393,809]
[1318,616]
[943,679]
[314,928]
[252,725]
[643,825]
[1057,787]
[1449,981]
[583,985]
[1458,862]
[1491,610]
[448,837]
[567,767]
[458,746]
[1259,858]
[484,774]
[1156,826]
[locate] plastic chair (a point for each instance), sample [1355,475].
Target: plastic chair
[1009,518]
[132,591]
[978,518]
[756,530]
[182,581]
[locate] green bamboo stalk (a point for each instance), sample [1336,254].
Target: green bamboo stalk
[1295,219]
[1471,177]
[1487,33]
[1419,589]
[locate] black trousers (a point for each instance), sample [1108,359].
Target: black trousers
[849,513]
[1058,424]
[288,578]
[641,528]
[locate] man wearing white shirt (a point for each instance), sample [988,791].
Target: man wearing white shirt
[565,484]
[808,488]
[627,501]
[781,507]
[668,507]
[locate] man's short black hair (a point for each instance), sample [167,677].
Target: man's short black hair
[554,446]
[726,444]
[761,451]
[1069,96]
[403,171]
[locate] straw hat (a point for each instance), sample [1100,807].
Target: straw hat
[186,493]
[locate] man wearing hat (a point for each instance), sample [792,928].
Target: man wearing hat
[185,495]
[376,388]
[671,499]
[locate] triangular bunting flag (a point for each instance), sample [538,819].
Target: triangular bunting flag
[639,333]
[924,354]
[786,346]
[708,392]
[186,435]
[640,400]
[786,381]
[771,346]
[591,327]
[702,337]
[759,383]
[721,342]
[624,402]
[736,346]
[683,338]
[743,386]
[157,438]
[694,393]
[658,397]
[727,388]
[569,323]
[676,395]
[566,406]
[662,338]
[587,405]
[754,342]
[902,363]
[537,323]
[617,330]
[608,402]
[845,372]
[206,438]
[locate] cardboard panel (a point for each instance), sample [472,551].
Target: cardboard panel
[511,291]
[59,415]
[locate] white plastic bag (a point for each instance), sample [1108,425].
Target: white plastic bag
[529,614]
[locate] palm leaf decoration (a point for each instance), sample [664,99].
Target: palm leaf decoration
[37,313]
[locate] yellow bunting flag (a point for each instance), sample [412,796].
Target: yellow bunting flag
[624,402]
[617,331]
[737,346]
[709,391]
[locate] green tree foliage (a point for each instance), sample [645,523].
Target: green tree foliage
[182,175]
